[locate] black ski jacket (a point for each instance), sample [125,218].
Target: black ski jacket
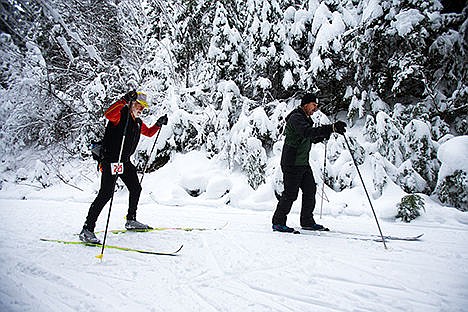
[114,134]
[300,133]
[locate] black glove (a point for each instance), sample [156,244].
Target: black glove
[130,96]
[339,127]
[162,121]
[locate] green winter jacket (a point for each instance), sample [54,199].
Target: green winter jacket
[300,133]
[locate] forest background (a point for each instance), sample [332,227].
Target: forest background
[228,72]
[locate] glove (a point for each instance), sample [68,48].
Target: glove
[130,96]
[339,127]
[162,121]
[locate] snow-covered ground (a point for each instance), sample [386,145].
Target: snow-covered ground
[242,267]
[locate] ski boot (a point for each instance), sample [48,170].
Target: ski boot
[315,227]
[282,228]
[87,236]
[134,225]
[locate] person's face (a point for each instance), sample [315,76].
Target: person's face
[137,108]
[310,108]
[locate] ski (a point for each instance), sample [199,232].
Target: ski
[186,229]
[173,253]
[293,232]
[364,237]
[387,237]
[323,229]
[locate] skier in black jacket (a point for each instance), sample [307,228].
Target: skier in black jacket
[300,133]
[122,115]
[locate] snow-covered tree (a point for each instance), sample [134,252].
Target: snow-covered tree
[392,65]
[389,139]
[422,151]
[409,207]
[452,182]
[369,130]
[410,180]
[249,136]
[379,175]
[225,50]
[269,55]
[453,190]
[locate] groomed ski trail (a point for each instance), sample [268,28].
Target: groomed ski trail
[243,267]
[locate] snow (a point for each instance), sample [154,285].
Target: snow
[289,14]
[321,16]
[265,29]
[240,264]
[453,155]
[35,53]
[328,32]
[301,18]
[406,20]
[63,43]
[264,83]
[371,11]
[290,56]
[288,80]
[242,267]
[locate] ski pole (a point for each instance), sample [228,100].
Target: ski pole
[113,187]
[365,189]
[323,180]
[151,153]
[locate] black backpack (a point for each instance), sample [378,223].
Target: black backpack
[97,151]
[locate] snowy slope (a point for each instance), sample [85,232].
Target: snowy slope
[243,267]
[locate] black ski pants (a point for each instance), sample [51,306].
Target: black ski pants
[130,178]
[295,178]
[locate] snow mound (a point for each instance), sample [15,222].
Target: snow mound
[453,155]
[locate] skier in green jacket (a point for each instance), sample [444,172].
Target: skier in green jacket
[300,133]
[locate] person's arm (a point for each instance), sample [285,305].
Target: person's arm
[304,129]
[149,132]
[155,128]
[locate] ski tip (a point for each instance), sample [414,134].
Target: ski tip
[181,246]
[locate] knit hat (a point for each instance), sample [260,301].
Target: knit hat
[308,98]
[141,98]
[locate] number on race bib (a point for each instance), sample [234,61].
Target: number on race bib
[117,168]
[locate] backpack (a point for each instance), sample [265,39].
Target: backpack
[97,151]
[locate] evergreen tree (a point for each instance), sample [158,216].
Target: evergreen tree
[409,207]
[422,151]
[380,177]
[225,50]
[389,139]
[212,65]
[453,190]
[409,180]
[369,130]
[264,37]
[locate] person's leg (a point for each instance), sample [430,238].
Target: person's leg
[130,178]
[105,193]
[292,177]
[309,189]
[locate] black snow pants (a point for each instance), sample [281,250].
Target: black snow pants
[130,178]
[295,178]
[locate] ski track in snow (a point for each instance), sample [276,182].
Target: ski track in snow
[243,267]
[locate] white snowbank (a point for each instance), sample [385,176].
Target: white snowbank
[453,155]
